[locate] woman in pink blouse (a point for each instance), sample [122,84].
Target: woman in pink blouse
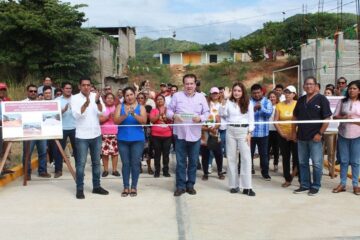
[349,137]
[161,136]
[109,131]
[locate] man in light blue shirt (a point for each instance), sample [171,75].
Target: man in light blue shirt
[68,124]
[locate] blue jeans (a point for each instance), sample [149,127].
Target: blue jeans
[313,150]
[41,150]
[262,144]
[187,155]
[83,145]
[350,155]
[223,141]
[58,158]
[130,153]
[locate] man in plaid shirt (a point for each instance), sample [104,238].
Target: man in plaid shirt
[262,110]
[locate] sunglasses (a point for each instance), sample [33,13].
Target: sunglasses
[32,91]
[341,83]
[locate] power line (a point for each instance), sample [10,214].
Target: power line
[228,21]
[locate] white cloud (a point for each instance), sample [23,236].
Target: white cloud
[152,17]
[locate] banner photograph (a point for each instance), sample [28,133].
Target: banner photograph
[25,120]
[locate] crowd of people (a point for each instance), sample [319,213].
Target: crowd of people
[140,124]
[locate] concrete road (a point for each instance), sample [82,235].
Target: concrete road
[48,209]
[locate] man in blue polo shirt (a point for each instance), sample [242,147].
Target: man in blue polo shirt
[68,125]
[262,111]
[312,106]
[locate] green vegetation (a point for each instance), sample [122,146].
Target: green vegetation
[294,31]
[44,37]
[146,47]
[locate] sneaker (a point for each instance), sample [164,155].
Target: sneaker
[100,191]
[80,194]
[166,174]
[105,174]
[210,169]
[234,190]
[156,175]
[267,177]
[249,192]
[313,192]
[300,190]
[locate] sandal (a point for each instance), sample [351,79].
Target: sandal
[133,193]
[125,193]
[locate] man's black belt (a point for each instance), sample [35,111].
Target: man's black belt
[238,125]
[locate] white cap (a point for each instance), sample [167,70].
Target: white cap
[291,88]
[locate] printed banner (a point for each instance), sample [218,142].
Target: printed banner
[31,120]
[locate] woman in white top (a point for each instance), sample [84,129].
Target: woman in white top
[239,114]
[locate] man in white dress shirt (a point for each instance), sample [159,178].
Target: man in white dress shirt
[86,107]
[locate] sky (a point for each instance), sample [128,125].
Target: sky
[202,21]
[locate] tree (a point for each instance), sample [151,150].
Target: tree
[252,45]
[45,37]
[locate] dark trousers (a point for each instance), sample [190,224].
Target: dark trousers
[274,146]
[205,153]
[161,147]
[262,144]
[58,158]
[288,149]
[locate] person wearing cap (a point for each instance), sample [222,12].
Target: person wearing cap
[164,90]
[288,147]
[312,106]
[212,130]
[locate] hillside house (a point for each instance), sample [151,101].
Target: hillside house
[195,57]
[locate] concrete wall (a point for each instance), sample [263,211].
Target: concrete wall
[104,55]
[112,62]
[323,51]
[126,46]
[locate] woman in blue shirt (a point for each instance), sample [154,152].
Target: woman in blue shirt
[130,139]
